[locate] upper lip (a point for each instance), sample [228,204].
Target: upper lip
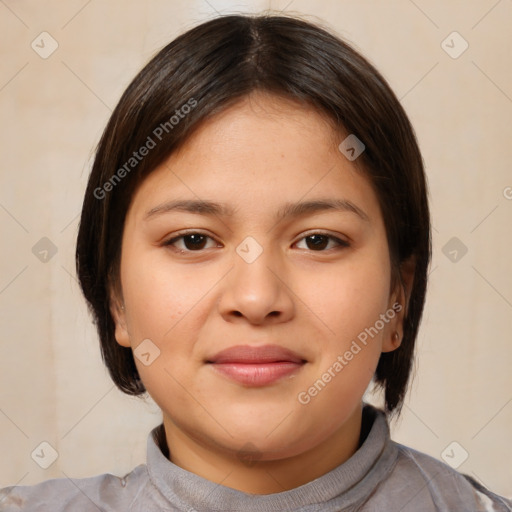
[247,354]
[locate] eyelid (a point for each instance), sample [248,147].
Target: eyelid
[324,232]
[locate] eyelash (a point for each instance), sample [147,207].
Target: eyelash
[169,243]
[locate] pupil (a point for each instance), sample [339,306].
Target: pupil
[194,241]
[318,241]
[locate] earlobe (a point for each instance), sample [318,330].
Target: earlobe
[392,342]
[396,340]
[399,303]
[118,313]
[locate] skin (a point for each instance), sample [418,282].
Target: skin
[256,156]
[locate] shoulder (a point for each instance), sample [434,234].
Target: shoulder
[85,494]
[426,480]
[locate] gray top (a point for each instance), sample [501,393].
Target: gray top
[381,476]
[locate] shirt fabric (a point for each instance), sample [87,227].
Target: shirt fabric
[381,476]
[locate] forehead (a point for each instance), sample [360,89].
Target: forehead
[279,125]
[255,155]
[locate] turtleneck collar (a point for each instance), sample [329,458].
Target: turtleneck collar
[345,486]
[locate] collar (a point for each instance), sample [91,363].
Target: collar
[346,485]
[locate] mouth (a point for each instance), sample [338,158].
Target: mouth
[256,366]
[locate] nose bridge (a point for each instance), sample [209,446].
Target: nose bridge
[255,287]
[253,264]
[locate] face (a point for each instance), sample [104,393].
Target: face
[255,278]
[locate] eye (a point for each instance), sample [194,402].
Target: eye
[189,242]
[320,242]
[195,242]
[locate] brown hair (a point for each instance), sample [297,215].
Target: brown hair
[209,68]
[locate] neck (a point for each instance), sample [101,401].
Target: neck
[252,473]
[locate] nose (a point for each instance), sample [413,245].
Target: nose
[257,292]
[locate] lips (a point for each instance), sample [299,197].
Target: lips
[256,366]
[246,354]
[257,375]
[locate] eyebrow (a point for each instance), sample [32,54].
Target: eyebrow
[211,208]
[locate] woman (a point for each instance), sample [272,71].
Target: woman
[254,246]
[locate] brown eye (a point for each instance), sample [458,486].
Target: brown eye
[194,242]
[319,242]
[189,242]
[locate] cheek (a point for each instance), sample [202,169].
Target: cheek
[167,304]
[349,298]
[159,294]
[349,345]
[348,302]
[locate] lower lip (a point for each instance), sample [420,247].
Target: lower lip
[260,374]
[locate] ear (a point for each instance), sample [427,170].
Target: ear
[119,317]
[398,305]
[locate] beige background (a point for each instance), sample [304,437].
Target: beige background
[53,385]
